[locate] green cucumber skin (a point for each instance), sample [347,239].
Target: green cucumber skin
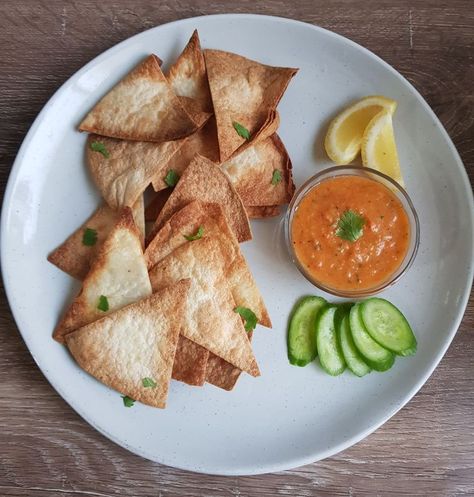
[319,336]
[377,365]
[410,339]
[354,360]
[293,357]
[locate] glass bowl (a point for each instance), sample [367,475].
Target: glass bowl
[385,180]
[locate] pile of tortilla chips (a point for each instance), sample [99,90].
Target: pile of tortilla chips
[174,297]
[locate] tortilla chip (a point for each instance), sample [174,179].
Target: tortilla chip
[188,76]
[214,224]
[154,207]
[203,142]
[75,258]
[119,273]
[210,320]
[124,175]
[243,91]
[142,106]
[190,362]
[108,349]
[204,180]
[194,110]
[262,211]
[251,173]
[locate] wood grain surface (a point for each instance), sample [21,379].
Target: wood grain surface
[47,450]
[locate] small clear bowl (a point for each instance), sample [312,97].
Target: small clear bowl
[385,180]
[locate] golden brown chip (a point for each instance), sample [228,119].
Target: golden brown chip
[204,180]
[129,168]
[74,257]
[118,277]
[262,211]
[142,107]
[211,219]
[203,142]
[261,174]
[149,329]
[190,362]
[188,76]
[210,320]
[244,92]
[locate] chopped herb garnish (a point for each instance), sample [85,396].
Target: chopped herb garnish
[103,304]
[350,226]
[89,237]
[171,178]
[127,401]
[276,177]
[249,317]
[100,147]
[149,382]
[241,130]
[197,236]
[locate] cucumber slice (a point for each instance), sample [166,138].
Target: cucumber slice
[388,326]
[354,360]
[330,354]
[301,331]
[376,356]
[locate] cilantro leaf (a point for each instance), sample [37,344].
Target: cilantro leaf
[276,177]
[350,226]
[249,317]
[197,236]
[127,401]
[149,382]
[89,237]
[241,130]
[100,147]
[103,304]
[171,178]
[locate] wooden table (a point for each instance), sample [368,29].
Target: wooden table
[47,450]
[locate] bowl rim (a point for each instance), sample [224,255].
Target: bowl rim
[374,175]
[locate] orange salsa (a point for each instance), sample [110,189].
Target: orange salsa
[350,265]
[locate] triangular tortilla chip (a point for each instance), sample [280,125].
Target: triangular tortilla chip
[190,362]
[210,320]
[142,106]
[213,222]
[245,92]
[203,180]
[129,168]
[75,258]
[252,171]
[203,142]
[262,211]
[134,343]
[119,274]
[188,76]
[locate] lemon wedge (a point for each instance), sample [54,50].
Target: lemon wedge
[344,136]
[378,149]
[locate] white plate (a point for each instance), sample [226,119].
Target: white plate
[290,416]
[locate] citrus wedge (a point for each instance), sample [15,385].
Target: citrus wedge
[345,132]
[378,149]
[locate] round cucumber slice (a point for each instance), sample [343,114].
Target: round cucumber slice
[388,326]
[301,330]
[330,354]
[376,356]
[354,360]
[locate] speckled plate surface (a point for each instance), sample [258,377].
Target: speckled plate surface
[289,416]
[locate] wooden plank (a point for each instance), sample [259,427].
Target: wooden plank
[47,450]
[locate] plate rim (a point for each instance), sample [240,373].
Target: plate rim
[288,463]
